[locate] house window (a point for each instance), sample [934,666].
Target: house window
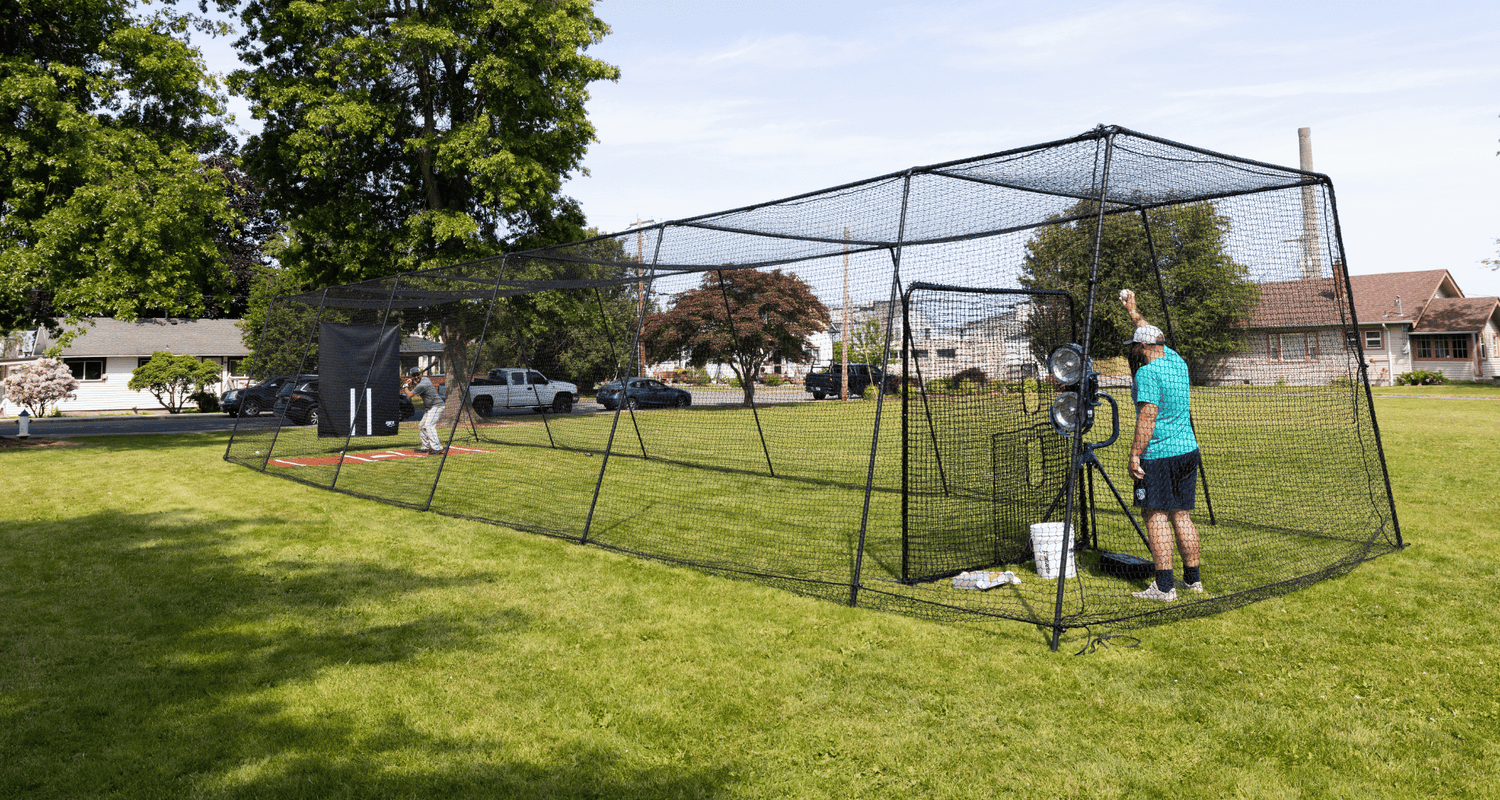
[1351,340]
[1434,347]
[947,352]
[1374,340]
[86,369]
[919,354]
[236,364]
[1292,347]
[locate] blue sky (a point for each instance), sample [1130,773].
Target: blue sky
[724,104]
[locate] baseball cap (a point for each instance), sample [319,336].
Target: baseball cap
[414,372]
[1147,334]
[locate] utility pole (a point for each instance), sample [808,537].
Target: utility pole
[1312,257]
[640,288]
[844,326]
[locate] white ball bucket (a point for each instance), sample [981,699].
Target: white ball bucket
[1047,542]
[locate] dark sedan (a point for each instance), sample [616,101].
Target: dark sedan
[642,393]
[252,400]
[299,402]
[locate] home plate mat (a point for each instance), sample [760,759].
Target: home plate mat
[367,457]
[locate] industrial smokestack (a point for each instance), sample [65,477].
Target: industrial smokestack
[1312,256]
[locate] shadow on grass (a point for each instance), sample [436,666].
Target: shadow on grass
[151,655]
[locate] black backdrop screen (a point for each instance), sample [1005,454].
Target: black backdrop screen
[359,380]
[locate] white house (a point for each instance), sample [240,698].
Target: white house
[1408,321]
[103,358]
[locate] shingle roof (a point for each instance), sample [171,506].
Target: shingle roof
[1456,314]
[197,337]
[1304,303]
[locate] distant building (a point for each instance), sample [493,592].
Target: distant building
[103,358]
[1407,321]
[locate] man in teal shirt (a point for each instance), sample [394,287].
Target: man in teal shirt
[1164,456]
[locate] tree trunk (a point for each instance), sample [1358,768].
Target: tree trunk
[459,363]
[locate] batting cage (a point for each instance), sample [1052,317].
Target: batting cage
[911,392]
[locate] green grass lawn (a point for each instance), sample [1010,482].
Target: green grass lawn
[172,625]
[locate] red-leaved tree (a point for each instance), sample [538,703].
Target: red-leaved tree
[741,317]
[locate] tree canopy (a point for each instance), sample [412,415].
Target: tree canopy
[739,316]
[1209,295]
[107,207]
[403,134]
[866,344]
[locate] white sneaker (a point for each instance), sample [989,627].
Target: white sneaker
[1195,586]
[1153,592]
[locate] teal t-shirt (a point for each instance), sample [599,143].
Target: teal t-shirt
[1164,384]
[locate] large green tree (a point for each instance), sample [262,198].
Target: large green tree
[1208,294]
[743,317]
[107,207]
[405,134]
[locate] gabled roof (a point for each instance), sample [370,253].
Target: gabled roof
[1375,296]
[111,337]
[1392,297]
[1457,314]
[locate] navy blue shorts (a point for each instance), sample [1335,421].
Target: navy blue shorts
[1171,483]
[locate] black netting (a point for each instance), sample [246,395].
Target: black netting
[955,282]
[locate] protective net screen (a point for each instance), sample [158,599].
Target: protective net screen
[848,393]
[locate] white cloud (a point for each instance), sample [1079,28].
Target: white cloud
[788,52]
[1384,81]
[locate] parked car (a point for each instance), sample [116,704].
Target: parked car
[515,387]
[642,393]
[828,381]
[299,402]
[252,400]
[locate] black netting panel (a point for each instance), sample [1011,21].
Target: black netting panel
[565,414]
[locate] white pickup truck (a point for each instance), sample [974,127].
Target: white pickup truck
[513,387]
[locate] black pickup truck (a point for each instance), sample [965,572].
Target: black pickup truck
[826,382]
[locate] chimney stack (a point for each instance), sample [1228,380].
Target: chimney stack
[1312,255]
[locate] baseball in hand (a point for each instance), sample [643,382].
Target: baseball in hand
[1125,295]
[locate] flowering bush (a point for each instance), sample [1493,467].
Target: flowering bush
[1420,377]
[39,384]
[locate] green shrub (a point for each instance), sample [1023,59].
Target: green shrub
[1420,377]
[774,380]
[735,382]
[939,386]
[973,375]
[871,392]
[208,402]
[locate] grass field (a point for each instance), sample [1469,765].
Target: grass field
[175,626]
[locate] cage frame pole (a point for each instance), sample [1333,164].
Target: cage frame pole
[1364,370]
[474,365]
[259,348]
[1161,292]
[1078,448]
[369,369]
[614,426]
[301,363]
[754,410]
[864,519]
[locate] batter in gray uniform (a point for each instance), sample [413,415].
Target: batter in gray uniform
[432,408]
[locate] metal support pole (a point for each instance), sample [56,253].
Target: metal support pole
[864,519]
[1088,332]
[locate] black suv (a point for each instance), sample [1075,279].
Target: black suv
[299,401]
[252,400]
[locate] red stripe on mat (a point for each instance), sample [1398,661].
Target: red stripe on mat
[366,458]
